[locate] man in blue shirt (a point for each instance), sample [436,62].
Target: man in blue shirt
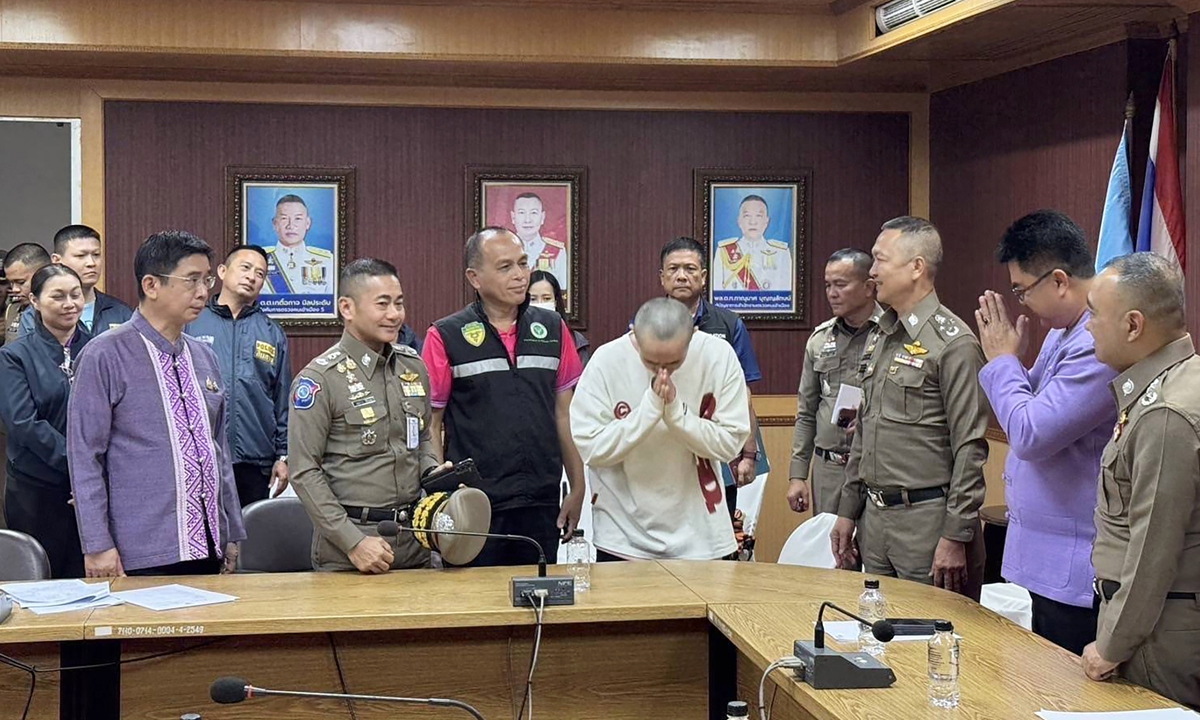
[683,274]
[252,351]
[78,247]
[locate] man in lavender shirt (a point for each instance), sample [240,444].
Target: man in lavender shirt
[146,445]
[1058,417]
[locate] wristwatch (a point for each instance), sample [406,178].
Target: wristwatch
[282,458]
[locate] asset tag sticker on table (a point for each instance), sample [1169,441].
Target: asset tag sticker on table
[173,597]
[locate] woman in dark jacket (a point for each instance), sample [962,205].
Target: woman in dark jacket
[546,293]
[35,373]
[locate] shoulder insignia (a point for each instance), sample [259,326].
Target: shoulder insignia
[779,244]
[1151,395]
[553,243]
[827,324]
[331,356]
[405,350]
[320,252]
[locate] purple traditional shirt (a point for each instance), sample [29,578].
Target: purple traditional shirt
[1058,417]
[146,444]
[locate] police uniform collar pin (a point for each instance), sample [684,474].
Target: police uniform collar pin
[913,319]
[366,360]
[1127,387]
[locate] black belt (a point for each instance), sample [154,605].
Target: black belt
[837,458]
[893,497]
[374,515]
[1107,588]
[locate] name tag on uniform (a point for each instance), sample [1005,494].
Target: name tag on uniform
[264,351]
[413,434]
[909,360]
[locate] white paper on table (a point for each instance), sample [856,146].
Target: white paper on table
[1156,714]
[172,597]
[846,631]
[85,604]
[54,592]
[849,397]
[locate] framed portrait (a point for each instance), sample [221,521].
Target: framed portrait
[755,226]
[303,217]
[544,207]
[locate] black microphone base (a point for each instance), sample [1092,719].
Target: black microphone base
[558,590]
[827,669]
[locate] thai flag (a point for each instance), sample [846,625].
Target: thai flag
[1161,228]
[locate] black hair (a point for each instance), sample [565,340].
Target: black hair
[73,232]
[527,195]
[759,198]
[861,260]
[683,243]
[162,252]
[474,248]
[1047,240]
[251,248]
[538,276]
[361,269]
[41,277]
[290,199]
[28,254]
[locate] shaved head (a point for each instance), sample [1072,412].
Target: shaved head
[918,238]
[663,320]
[1152,285]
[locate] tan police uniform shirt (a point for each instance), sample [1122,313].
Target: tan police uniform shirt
[831,357]
[924,415]
[358,434]
[1148,509]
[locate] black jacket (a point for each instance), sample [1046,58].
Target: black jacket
[33,405]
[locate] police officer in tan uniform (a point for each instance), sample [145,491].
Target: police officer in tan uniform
[1147,549]
[830,359]
[914,482]
[358,430]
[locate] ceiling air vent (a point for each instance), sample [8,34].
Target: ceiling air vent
[890,16]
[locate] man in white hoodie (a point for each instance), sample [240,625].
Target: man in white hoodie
[655,414]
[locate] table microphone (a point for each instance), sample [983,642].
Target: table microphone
[229,690]
[391,528]
[883,630]
[827,669]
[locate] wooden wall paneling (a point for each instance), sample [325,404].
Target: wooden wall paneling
[410,207]
[1043,137]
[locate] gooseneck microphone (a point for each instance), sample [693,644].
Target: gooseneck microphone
[390,528]
[229,690]
[883,630]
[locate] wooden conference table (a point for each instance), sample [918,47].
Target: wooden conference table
[653,639]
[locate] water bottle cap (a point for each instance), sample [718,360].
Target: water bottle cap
[943,626]
[871,584]
[737,709]
[577,533]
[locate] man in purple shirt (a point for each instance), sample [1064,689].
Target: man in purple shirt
[1058,417]
[146,444]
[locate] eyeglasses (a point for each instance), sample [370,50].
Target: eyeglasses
[1021,292]
[194,282]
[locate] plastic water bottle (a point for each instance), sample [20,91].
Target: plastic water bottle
[872,606]
[737,710]
[579,561]
[943,666]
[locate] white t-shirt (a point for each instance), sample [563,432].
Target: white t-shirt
[655,470]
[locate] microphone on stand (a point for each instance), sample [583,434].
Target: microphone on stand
[883,630]
[455,525]
[391,528]
[229,690]
[827,669]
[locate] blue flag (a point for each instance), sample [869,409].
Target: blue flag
[1116,236]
